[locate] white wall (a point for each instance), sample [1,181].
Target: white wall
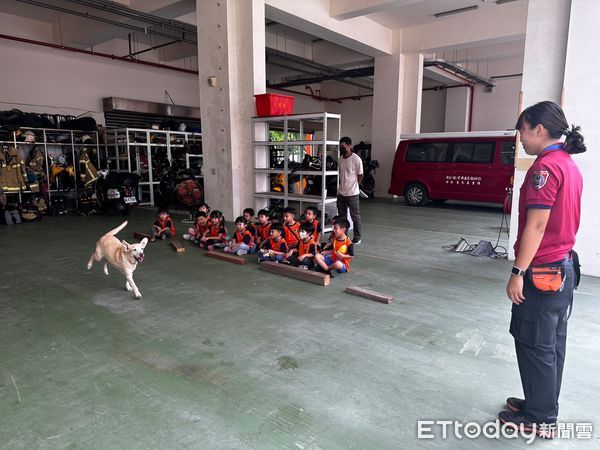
[433,111]
[46,80]
[302,103]
[357,115]
[498,110]
[580,108]
[457,109]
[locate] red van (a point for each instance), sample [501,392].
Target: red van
[474,166]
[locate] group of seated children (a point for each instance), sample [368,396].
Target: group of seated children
[282,239]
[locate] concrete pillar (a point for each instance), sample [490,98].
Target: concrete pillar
[543,73]
[396,107]
[457,109]
[231,48]
[580,89]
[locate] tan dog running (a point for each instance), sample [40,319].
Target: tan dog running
[120,255]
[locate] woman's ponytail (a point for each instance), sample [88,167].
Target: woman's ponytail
[574,140]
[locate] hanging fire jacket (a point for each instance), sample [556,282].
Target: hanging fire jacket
[87,172]
[12,171]
[37,163]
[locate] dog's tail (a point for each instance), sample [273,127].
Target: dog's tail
[116,230]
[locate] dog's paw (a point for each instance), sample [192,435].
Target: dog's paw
[138,296]
[89,266]
[105,271]
[129,288]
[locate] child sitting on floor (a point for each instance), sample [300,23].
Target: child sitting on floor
[203,207]
[342,252]
[275,247]
[310,216]
[216,234]
[163,227]
[195,234]
[248,214]
[303,256]
[326,247]
[243,240]
[262,227]
[290,228]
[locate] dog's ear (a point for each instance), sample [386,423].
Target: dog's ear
[143,243]
[126,246]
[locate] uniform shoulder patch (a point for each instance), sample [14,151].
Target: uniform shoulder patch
[539,178]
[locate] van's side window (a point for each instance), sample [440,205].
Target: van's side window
[508,153]
[475,153]
[427,152]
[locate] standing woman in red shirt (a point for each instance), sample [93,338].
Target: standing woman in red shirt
[546,269]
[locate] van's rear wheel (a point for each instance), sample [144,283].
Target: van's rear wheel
[415,195]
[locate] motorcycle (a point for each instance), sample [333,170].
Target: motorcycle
[178,186]
[367,186]
[116,192]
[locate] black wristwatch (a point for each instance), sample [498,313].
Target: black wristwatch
[518,272]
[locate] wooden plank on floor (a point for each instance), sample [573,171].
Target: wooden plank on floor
[371,295]
[138,235]
[295,272]
[226,257]
[177,246]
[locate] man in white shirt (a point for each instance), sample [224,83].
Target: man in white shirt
[350,170]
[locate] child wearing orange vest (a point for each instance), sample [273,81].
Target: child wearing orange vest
[310,216]
[216,234]
[195,234]
[275,247]
[290,228]
[243,240]
[342,250]
[163,227]
[262,227]
[304,255]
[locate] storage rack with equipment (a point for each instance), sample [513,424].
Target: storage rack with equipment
[266,151]
[52,143]
[136,149]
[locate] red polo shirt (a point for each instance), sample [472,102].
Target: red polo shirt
[552,182]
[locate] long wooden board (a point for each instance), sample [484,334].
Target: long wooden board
[306,275]
[178,246]
[371,295]
[226,257]
[138,235]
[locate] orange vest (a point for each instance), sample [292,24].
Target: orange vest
[316,224]
[290,233]
[214,230]
[239,237]
[163,223]
[200,229]
[264,230]
[304,248]
[276,246]
[337,245]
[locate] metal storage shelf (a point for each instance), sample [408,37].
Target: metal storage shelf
[297,198]
[298,172]
[292,143]
[121,146]
[328,125]
[292,117]
[73,141]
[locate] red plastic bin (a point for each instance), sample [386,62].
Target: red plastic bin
[274,105]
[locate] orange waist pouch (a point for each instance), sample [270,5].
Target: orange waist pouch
[548,279]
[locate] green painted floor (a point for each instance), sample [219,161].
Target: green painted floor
[220,356]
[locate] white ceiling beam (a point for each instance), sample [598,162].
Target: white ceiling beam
[312,16]
[485,27]
[348,9]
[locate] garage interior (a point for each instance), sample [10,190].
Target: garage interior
[226,356]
